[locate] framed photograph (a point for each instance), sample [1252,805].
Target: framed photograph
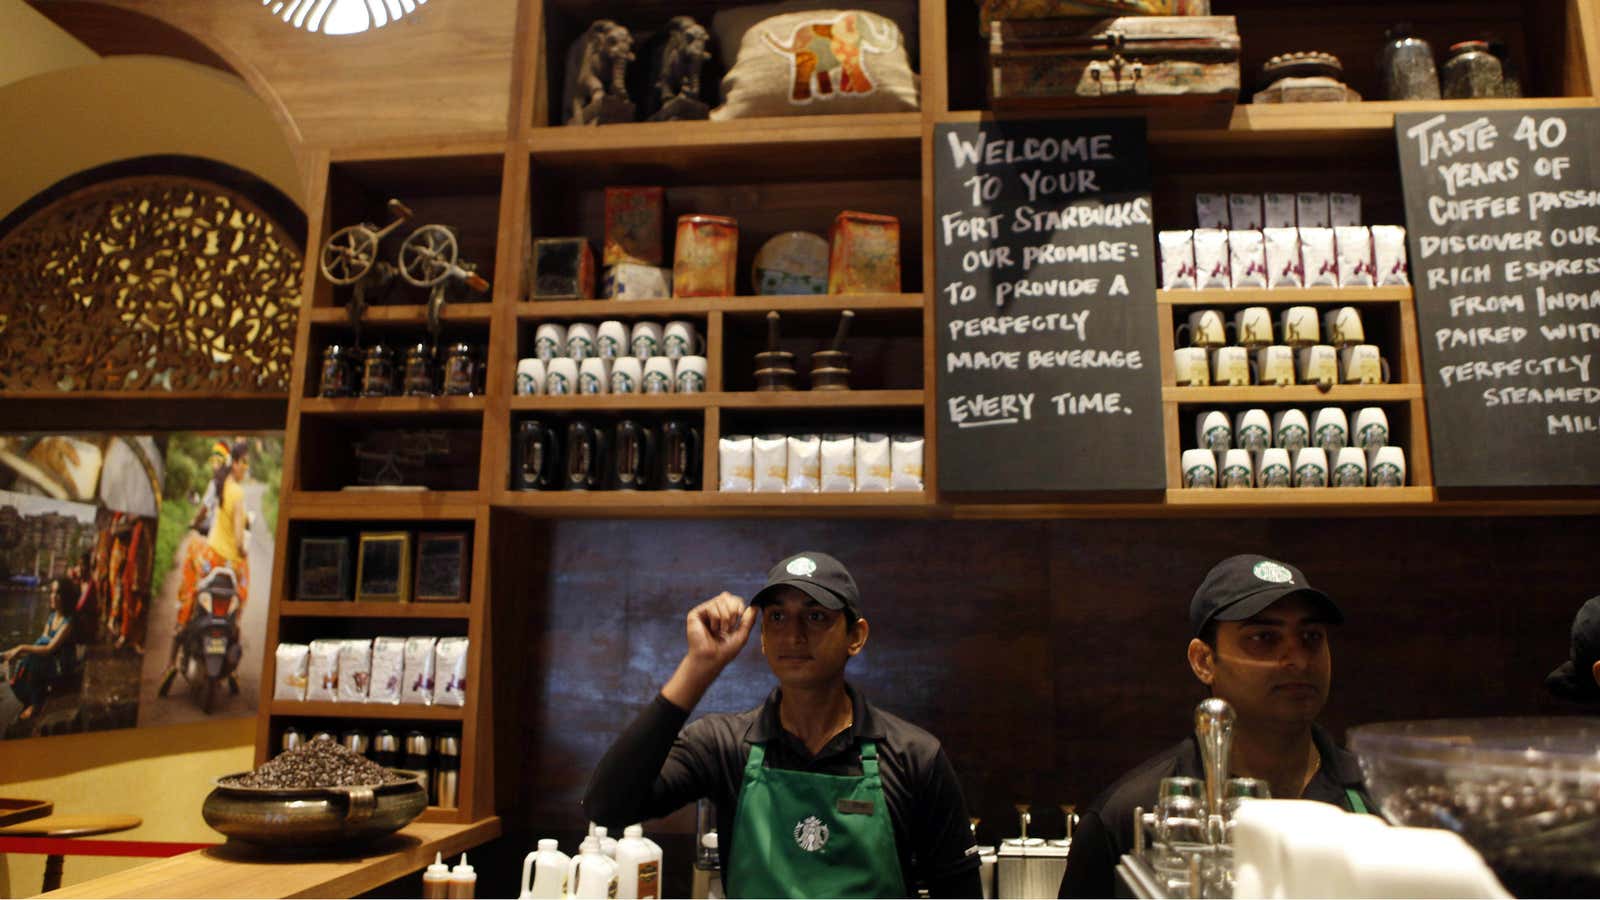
[442,562]
[324,572]
[383,567]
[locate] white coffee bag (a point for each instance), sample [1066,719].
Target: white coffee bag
[322,677]
[1211,258]
[1311,210]
[905,457]
[355,670]
[1284,269]
[737,463]
[1354,247]
[1247,259]
[293,664]
[1211,210]
[805,464]
[873,468]
[1244,212]
[1177,259]
[450,664]
[388,668]
[1277,211]
[771,460]
[1389,254]
[417,684]
[838,462]
[1344,210]
[1316,257]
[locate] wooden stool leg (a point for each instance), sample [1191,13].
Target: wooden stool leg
[52,873]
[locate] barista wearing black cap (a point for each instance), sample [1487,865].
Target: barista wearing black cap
[1578,679]
[818,792]
[1260,643]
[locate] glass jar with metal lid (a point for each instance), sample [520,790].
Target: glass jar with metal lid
[338,372]
[1408,68]
[377,372]
[419,379]
[460,371]
[1472,71]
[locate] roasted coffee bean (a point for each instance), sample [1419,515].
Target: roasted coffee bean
[320,763]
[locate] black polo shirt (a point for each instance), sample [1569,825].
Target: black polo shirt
[1105,831]
[657,765]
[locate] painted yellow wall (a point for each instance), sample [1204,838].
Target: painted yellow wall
[161,775]
[33,44]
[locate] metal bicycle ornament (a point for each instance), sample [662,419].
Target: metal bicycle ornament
[429,259]
[350,257]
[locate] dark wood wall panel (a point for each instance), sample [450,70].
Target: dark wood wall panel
[1048,656]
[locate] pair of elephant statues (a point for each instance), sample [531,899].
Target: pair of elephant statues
[597,68]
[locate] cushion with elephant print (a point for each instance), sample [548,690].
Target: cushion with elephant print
[730,24]
[820,62]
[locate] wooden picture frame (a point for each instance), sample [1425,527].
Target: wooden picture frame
[383,567]
[323,572]
[443,567]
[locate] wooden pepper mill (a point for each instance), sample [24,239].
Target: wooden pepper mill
[830,369]
[774,368]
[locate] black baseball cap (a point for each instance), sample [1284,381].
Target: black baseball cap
[1574,679]
[1244,585]
[817,575]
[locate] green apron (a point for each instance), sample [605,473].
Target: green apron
[799,834]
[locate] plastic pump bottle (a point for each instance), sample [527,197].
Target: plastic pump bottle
[544,873]
[592,875]
[608,844]
[463,881]
[638,865]
[436,879]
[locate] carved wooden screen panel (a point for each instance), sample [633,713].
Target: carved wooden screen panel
[152,283]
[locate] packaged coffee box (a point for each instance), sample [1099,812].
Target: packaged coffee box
[838,462]
[290,674]
[416,686]
[873,469]
[771,461]
[805,463]
[736,463]
[355,670]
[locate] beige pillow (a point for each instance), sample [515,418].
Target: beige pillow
[821,62]
[729,25]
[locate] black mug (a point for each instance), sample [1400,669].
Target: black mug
[538,457]
[586,457]
[680,456]
[633,456]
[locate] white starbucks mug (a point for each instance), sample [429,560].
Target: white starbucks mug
[1252,431]
[1291,430]
[1388,468]
[1199,469]
[530,376]
[549,341]
[1230,367]
[1343,326]
[594,376]
[1298,326]
[1370,430]
[1252,327]
[582,341]
[1274,470]
[1363,364]
[1316,364]
[1238,470]
[679,339]
[646,340]
[1349,468]
[1311,468]
[1330,430]
[690,376]
[1275,365]
[1213,431]
[1204,328]
[658,375]
[561,376]
[627,374]
[1191,367]
[611,339]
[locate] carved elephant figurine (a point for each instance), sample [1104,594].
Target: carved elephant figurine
[827,57]
[597,64]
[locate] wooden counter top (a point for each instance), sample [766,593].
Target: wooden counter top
[232,870]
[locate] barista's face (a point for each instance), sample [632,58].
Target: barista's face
[1274,668]
[805,643]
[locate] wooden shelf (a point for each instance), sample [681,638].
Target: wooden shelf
[1298,393]
[1284,296]
[140,411]
[1252,498]
[818,399]
[712,504]
[404,314]
[231,870]
[324,710]
[599,402]
[389,406]
[690,306]
[382,505]
[344,609]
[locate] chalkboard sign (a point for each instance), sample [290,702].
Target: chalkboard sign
[1503,214]
[1048,376]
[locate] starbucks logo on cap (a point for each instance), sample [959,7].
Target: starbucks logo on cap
[1267,570]
[802,566]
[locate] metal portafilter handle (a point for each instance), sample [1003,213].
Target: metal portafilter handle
[1213,729]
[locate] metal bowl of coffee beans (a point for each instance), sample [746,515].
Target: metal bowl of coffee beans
[316,795]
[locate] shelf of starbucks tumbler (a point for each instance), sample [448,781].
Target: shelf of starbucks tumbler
[1248,498]
[404,315]
[836,146]
[318,709]
[233,870]
[1294,393]
[345,609]
[391,406]
[713,504]
[1284,296]
[377,504]
[688,306]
